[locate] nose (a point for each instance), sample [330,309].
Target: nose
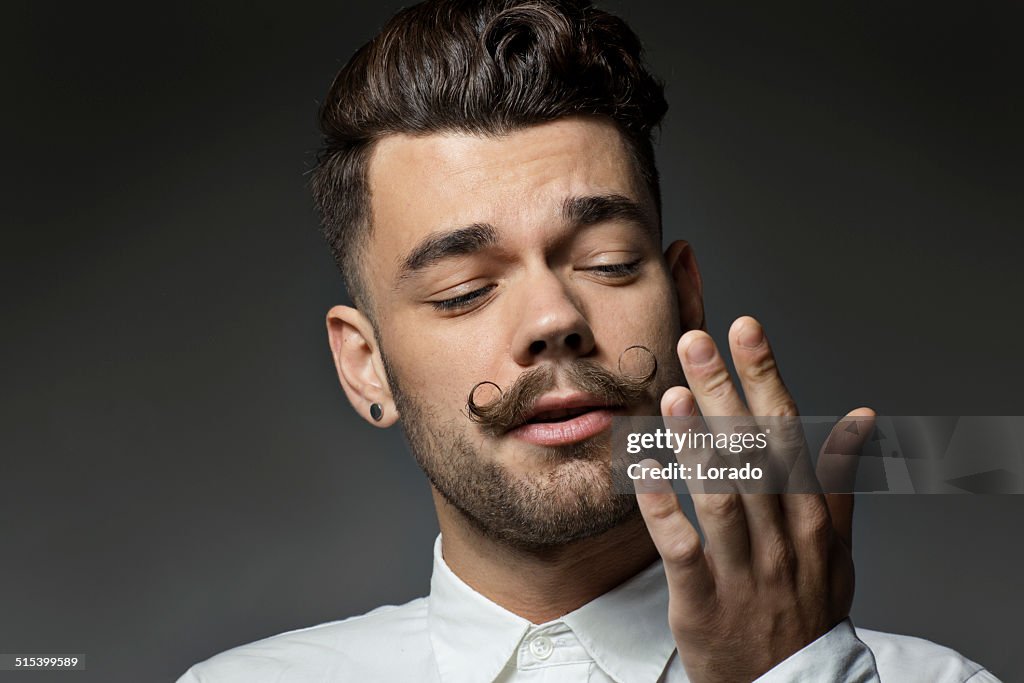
[552,326]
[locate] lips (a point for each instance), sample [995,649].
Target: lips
[563,420]
[559,415]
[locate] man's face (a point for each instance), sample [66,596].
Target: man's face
[491,257]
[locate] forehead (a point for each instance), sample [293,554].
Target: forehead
[423,184]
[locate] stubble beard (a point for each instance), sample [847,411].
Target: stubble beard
[571,498]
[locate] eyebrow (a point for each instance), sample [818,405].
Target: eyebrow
[593,209]
[439,246]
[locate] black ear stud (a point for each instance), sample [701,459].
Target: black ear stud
[376,411]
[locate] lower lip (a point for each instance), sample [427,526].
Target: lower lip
[579,428]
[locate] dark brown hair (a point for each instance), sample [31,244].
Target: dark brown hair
[475,66]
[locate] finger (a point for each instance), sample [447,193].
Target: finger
[678,543]
[708,376]
[766,394]
[727,538]
[767,533]
[837,467]
[770,400]
[811,527]
[722,516]
[768,542]
[758,372]
[678,402]
[807,516]
[680,414]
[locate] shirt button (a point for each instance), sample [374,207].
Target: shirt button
[541,647]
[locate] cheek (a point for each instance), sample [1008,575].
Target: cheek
[644,314]
[440,364]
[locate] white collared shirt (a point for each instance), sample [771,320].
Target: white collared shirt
[456,635]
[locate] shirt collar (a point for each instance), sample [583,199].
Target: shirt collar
[472,637]
[625,630]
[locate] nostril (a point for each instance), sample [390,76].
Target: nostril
[574,341]
[537,346]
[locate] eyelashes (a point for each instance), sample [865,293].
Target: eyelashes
[618,269]
[461,301]
[610,271]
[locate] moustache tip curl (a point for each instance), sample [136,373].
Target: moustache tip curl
[642,364]
[473,407]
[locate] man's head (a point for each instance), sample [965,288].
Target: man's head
[488,188]
[487,67]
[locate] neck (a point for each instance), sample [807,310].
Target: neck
[542,585]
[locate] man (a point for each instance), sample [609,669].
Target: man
[489,191]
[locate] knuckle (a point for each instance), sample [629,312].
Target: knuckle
[661,506]
[785,407]
[780,557]
[762,369]
[685,550]
[718,383]
[722,504]
[817,526]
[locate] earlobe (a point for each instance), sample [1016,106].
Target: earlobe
[359,366]
[685,274]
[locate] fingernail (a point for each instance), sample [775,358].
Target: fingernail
[682,408]
[751,335]
[646,483]
[700,351]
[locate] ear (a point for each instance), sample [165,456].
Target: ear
[359,364]
[683,269]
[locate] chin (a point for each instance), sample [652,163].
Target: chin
[571,482]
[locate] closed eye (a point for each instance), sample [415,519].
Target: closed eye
[617,269]
[461,301]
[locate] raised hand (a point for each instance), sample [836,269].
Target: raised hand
[775,572]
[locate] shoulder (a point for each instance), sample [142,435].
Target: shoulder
[905,658]
[381,645]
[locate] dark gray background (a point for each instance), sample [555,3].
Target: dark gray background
[181,472]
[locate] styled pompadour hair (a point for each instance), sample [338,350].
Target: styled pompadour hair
[485,67]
